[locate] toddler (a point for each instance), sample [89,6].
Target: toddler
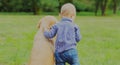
[67,35]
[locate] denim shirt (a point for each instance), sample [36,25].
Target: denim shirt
[67,35]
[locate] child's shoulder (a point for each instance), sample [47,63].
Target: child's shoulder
[76,26]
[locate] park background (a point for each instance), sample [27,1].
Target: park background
[99,21]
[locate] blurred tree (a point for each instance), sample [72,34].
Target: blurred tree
[31,6]
[4,5]
[115,5]
[84,5]
[16,6]
[102,4]
[35,6]
[97,5]
[49,5]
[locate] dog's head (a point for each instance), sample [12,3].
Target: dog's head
[47,22]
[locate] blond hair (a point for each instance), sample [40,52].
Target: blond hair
[68,10]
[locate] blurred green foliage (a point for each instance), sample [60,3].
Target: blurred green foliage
[37,6]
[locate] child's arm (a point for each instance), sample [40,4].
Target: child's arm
[77,34]
[51,33]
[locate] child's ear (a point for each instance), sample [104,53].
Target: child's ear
[38,25]
[73,17]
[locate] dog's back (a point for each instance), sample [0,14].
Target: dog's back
[42,51]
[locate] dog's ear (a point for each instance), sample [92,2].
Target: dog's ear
[38,25]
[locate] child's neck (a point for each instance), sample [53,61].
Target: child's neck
[68,18]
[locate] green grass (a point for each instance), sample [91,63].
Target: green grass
[100,43]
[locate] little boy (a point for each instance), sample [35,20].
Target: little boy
[67,35]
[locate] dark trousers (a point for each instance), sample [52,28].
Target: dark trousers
[69,56]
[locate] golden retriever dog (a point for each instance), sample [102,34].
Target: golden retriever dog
[43,48]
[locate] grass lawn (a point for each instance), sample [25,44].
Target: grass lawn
[100,44]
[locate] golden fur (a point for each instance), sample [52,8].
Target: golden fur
[43,48]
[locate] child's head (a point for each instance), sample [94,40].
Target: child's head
[68,10]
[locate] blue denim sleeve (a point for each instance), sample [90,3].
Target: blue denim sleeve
[51,33]
[77,34]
